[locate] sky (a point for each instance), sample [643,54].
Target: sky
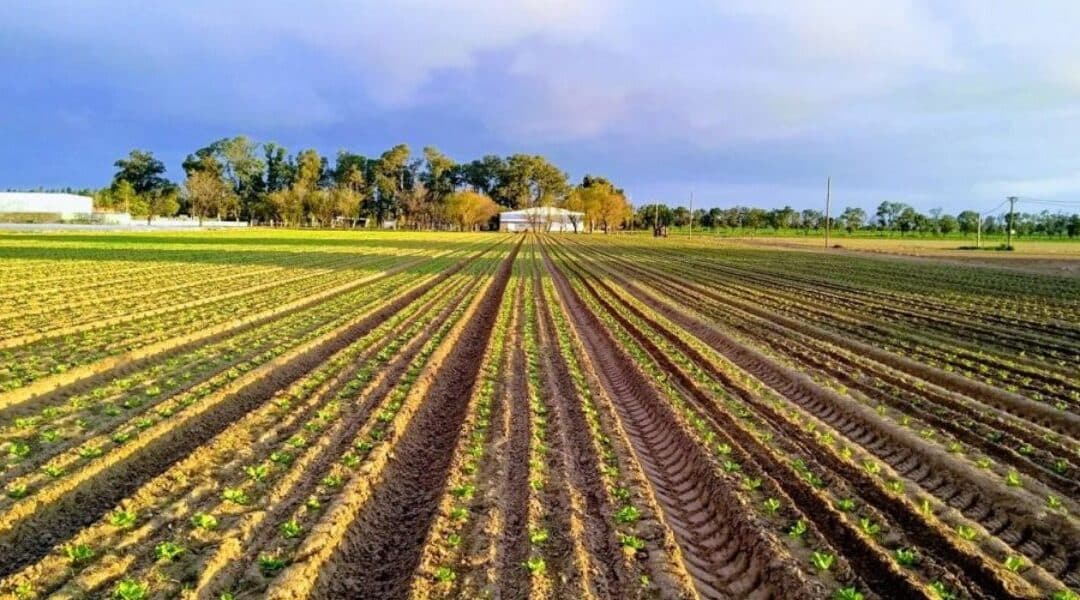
[952,104]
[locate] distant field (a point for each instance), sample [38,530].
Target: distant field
[1050,248]
[1060,257]
[304,414]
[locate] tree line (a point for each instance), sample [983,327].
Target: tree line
[237,178]
[890,217]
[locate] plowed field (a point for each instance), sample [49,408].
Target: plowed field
[273,414]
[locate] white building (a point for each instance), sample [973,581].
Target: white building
[60,207]
[541,218]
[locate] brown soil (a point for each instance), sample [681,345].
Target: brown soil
[383,546]
[30,541]
[582,461]
[725,553]
[1052,546]
[513,547]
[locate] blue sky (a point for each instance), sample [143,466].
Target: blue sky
[939,104]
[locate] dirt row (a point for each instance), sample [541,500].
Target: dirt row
[975,500]
[27,540]
[381,549]
[724,549]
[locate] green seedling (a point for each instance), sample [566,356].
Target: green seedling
[845,504]
[281,458]
[1012,479]
[445,575]
[967,532]
[235,495]
[906,557]
[822,561]
[1015,563]
[632,541]
[940,591]
[78,553]
[535,565]
[168,551]
[772,505]
[270,564]
[89,452]
[129,589]
[848,593]
[257,472]
[291,529]
[204,521]
[123,519]
[869,527]
[538,536]
[53,471]
[798,530]
[751,484]
[465,491]
[627,514]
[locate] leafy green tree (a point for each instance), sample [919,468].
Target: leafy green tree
[530,180]
[651,216]
[287,205]
[440,175]
[968,222]
[208,194]
[142,171]
[483,175]
[124,197]
[947,224]
[853,218]
[279,173]
[389,181]
[469,209]
[309,170]
[162,202]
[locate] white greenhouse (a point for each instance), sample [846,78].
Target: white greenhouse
[60,207]
[541,218]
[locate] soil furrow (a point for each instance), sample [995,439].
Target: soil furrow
[382,547]
[709,529]
[29,541]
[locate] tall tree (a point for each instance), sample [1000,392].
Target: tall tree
[279,174]
[440,174]
[142,171]
[208,194]
[389,180]
[469,209]
[853,218]
[483,174]
[530,180]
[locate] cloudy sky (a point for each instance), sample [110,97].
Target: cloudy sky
[939,104]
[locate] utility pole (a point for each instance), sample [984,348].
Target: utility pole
[828,200]
[691,215]
[1012,203]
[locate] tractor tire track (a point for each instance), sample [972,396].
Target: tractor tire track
[726,554]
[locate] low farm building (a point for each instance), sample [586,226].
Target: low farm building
[42,206]
[541,218]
